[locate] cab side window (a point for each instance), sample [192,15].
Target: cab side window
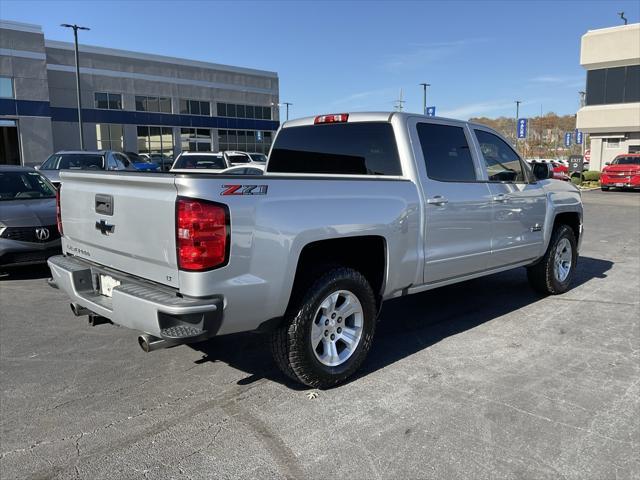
[446,153]
[502,162]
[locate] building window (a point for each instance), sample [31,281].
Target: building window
[108,101]
[195,139]
[243,111]
[153,104]
[6,87]
[245,140]
[155,140]
[109,136]
[613,143]
[195,107]
[613,85]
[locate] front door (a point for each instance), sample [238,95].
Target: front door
[519,203]
[458,206]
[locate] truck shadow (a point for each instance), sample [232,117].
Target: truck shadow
[27,272]
[407,325]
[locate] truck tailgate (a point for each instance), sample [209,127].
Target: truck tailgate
[125,221]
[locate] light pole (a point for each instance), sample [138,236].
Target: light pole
[287,105]
[75,39]
[518,102]
[424,97]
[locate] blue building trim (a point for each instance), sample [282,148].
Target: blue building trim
[27,108]
[9,106]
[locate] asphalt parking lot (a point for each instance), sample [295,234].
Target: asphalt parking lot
[480,380]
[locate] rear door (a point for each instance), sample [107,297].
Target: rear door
[458,207]
[518,202]
[122,221]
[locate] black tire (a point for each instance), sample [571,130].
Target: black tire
[291,342]
[541,275]
[604,189]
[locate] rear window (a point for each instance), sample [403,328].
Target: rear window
[200,161]
[339,148]
[237,158]
[81,162]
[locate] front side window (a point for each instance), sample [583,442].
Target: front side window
[446,153]
[6,87]
[50,163]
[502,162]
[367,148]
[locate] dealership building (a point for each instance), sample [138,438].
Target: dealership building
[611,114]
[131,101]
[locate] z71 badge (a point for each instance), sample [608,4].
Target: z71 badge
[244,189]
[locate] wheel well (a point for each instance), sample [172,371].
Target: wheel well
[365,254]
[572,219]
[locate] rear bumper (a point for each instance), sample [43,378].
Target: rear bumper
[136,303]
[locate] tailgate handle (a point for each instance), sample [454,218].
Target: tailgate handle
[104,204]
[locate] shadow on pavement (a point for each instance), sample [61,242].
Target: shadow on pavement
[30,272]
[407,325]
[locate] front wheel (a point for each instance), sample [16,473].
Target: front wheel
[604,189]
[553,274]
[327,334]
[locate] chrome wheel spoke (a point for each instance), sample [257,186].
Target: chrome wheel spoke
[337,329]
[562,260]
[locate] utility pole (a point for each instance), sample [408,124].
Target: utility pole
[400,102]
[424,97]
[75,39]
[287,105]
[518,102]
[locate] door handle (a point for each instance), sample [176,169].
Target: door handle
[437,200]
[501,197]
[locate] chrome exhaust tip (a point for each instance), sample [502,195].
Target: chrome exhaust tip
[149,343]
[79,310]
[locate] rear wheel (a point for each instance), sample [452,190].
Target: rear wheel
[326,336]
[604,189]
[553,274]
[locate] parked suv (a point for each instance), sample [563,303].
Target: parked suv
[622,172]
[353,209]
[83,160]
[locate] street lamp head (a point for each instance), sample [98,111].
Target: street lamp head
[75,27]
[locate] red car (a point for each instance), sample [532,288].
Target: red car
[623,172]
[560,171]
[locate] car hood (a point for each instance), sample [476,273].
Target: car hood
[28,213]
[629,167]
[52,175]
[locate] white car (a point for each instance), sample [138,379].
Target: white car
[207,162]
[246,169]
[235,157]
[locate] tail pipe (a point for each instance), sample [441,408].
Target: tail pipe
[149,343]
[79,310]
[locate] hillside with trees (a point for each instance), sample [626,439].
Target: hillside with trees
[545,137]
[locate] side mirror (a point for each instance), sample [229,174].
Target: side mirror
[542,171]
[37,167]
[607,163]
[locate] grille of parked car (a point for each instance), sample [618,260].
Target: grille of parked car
[30,234]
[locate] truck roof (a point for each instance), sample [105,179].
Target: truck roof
[370,117]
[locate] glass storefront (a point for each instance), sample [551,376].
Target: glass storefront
[245,140]
[155,140]
[109,136]
[195,139]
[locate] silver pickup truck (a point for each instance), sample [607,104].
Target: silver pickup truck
[354,209]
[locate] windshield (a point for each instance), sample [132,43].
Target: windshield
[134,157]
[258,157]
[75,161]
[234,158]
[24,185]
[200,161]
[627,161]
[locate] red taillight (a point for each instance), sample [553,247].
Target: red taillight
[202,234]
[333,118]
[58,213]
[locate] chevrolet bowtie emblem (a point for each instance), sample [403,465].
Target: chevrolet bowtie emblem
[104,227]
